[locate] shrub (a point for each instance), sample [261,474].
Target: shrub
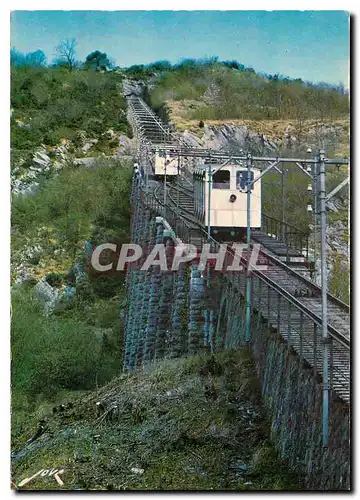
[24,138]
[60,104]
[57,352]
[74,200]
[241,93]
[340,280]
[49,353]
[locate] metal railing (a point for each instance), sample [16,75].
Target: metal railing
[298,325]
[291,236]
[182,228]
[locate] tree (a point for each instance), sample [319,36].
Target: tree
[112,63]
[16,58]
[33,59]
[234,65]
[97,60]
[160,66]
[65,53]
[37,58]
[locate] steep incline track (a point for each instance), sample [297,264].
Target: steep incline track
[298,319]
[289,279]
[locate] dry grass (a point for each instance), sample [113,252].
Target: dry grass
[272,129]
[167,424]
[50,265]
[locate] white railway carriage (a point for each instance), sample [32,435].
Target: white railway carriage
[165,165]
[228,212]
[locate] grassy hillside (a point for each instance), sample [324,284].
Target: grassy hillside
[189,424]
[80,347]
[52,104]
[217,91]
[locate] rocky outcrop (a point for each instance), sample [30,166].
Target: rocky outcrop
[47,160]
[233,137]
[230,137]
[126,146]
[44,162]
[273,136]
[52,298]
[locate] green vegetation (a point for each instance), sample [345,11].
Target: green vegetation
[296,197]
[340,280]
[79,203]
[188,424]
[51,104]
[31,59]
[228,90]
[80,347]
[97,60]
[62,351]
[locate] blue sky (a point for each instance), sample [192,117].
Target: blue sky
[313,45]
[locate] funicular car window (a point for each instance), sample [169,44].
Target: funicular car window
[221,179]
[241,177]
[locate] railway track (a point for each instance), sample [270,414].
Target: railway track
[289,301]
[149,125]
[285,276]
[299,325]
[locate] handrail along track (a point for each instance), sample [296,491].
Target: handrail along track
[296,315]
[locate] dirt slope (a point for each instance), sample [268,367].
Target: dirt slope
[189,424]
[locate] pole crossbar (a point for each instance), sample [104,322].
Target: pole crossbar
[337,189]
[298,164]
[267,169]
[212,154]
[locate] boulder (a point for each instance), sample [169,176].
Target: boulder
[110,134]
[54,299]
[21,124]
[87,146]
[45,293]
[42,159]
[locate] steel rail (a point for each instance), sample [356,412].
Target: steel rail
[335,334]
[188,229]
[309,284]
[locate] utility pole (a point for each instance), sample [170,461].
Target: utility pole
[315,202]
[165,185]
[324,309]
[146,163]
[248,241]
[282,202]
[178,182]
[209,200]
